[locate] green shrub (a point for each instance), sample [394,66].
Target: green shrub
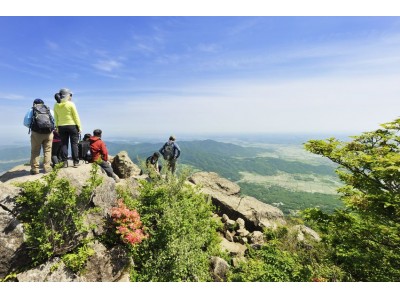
[269,264]
[76,260]
[182,233]
[52,214]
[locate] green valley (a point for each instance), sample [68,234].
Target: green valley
[280,173]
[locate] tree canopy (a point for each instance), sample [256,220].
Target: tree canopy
[365,235]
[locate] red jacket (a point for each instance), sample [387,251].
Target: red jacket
[98,149]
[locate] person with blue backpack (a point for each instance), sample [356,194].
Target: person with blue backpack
[171,152]
[40,121]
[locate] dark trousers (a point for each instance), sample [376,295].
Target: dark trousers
[171,165]
[106,166]
[56,153]
[69,133]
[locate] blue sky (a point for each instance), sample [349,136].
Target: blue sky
[156,76]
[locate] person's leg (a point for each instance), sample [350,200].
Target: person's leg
[64,136]
[55,153]
[106,166]
[172,165]
[47,144]
[74,135]
[36,143]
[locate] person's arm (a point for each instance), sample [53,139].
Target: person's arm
[75,117]
[162,150]
[177,150]
[28,118]
[104,151]
[56,117]
[52,120]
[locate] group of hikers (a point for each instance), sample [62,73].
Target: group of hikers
[53,130]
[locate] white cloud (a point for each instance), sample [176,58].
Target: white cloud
[107,65]
[325,104]
[208,48]
[11,97]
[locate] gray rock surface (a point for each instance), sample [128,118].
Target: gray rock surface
[11,240]
[225,195]
[106,265]
[123,166]
[220,268]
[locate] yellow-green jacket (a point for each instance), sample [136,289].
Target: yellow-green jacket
[65,113]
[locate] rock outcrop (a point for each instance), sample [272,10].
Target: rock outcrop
[105,265]
[123,165]
[243,218]
[225,196]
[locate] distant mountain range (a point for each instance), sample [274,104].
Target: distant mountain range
[292,183]
[258,170]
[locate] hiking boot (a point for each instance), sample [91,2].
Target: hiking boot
[34,172]
[65,164]
[76,164]
[45,171]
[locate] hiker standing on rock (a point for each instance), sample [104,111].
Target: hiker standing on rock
[171,151]
[39,119]
[100,154]
[68,125]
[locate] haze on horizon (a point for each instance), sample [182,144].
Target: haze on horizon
[191,76]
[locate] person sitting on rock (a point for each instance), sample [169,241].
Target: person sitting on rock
[100,154]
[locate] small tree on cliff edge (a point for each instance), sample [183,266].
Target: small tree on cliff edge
[365,236]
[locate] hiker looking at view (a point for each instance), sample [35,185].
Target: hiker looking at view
[100,154]
[68,125]
[39,119]
[171,151]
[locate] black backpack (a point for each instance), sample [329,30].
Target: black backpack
[84,151]
[42,121]
[168,152]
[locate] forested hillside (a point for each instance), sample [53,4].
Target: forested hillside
[292,183]
[293,193]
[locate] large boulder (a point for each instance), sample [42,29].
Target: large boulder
[105,265]
[212,182]
[8,194]
[123,165]
[220,268]
[77,176]
[51,271]
[234,249]
[303,233]
[225,195]
[11,240]
[11,231]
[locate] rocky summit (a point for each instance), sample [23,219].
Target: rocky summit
[243,218]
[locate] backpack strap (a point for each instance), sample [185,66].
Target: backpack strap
[30,126]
